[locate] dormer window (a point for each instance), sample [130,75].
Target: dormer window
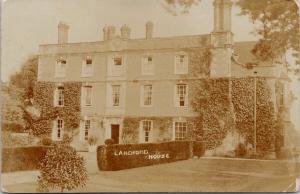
[87,67]
[60,67]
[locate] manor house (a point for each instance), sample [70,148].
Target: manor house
[146,79]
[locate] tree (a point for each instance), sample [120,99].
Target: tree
[62,168]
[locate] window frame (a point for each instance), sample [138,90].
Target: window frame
[145,62]
[183,134]
[178,96]
[59,99]
[84,95]
[146,135]
[114,95]
[59,71]
[185,64]
[85,70]
[144,95]
[59,130]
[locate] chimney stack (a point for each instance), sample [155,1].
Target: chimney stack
[111,32]
[63,29]
[149,30]
[105,33]
[125,31]
[222,15]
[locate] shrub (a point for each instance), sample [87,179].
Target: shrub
[198,148]
[46,141]
[125,156]
[109,142]
[92,140]
[61,168]
[22,158]
[241,150]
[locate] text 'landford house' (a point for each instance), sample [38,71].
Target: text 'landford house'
[145,78]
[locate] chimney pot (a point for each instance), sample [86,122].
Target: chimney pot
[149,30]
[63,29]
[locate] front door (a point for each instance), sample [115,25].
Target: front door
[115,133]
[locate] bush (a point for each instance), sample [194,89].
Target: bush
[118,157]
[22,158]
[46,141]
[109,142]
[61,168]
[241,150]
[92,140]
[198,148]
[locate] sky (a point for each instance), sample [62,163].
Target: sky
[29,23]
[26,24]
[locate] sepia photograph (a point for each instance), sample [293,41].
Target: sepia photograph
[150,96]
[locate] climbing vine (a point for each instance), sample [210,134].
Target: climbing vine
[70,112]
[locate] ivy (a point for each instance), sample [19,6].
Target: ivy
[70,112]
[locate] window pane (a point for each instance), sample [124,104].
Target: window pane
[147,95]
[88,95]
[116,95]
[181,94]
[118,61]
[180,130]
[147,128]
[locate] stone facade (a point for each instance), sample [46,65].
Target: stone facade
[117,74]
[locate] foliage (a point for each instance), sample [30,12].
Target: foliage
[109,142]
[240,151]
[70,112]
[22,158]
[46,141]
[62,168]
[185,5]
[130,130]
[12,113]
[278,27]
[92,140]
[198,148]
[108,160]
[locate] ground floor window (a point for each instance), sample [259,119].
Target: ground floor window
[146,130]
[87,127]
[58,130]
[180,130]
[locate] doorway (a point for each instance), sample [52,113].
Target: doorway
[115,129]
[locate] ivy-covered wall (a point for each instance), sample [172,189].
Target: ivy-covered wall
[70,112]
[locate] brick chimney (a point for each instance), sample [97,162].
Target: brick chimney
[63,30]
[149,30]
[125,31]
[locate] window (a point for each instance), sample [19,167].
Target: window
[117,61]
[181,95]
[60,68]
[146,127]
[87,95]
[147,65]
[59,96]
[87,127]
[59,128]
[116,95]
[87,67]
[181,64]
[147,95]
[180,131]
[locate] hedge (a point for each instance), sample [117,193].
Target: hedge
[118,157]
[22,158]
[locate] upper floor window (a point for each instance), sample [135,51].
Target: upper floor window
[116,66]
[180,130]
[87,67]
[60,67]
[147,95]
[87,95]
[181,64]
[147,65]
[59,96]
[146,130]
[116,95]
[181,96]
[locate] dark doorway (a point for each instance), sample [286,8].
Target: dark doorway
[115,133]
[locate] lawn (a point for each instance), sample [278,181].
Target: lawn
[206,174]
